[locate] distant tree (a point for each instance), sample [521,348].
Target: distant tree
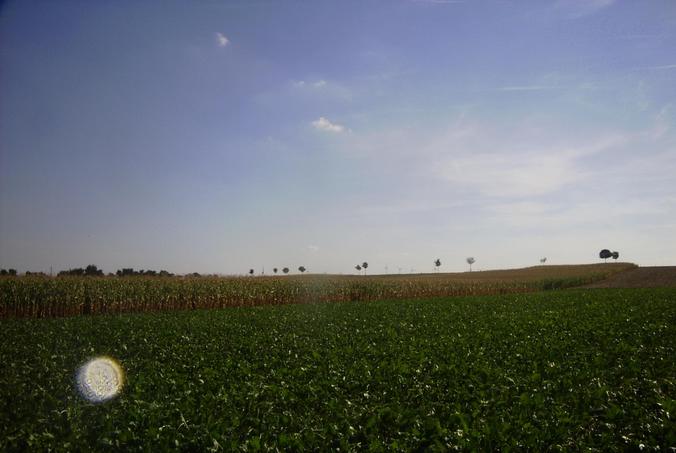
[285,270]
[91,270]
[125,271]
[251,271]
[616,255]
[302,269]
[34,274]
[543,260]
[78,271]
[274,269]
[3,272]
[605,254]
[437,264]
[470,261]
[364,266]
[358,267]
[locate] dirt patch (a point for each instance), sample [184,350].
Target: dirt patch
[641,277]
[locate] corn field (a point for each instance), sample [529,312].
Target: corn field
[48,297]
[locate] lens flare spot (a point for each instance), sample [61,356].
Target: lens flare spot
[100,379]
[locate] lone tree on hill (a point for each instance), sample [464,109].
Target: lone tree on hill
[616,255]
[274,269]
[437,264]
[285,270]
[543,260]
[364,265]
[605,254]
[302,269]
[251,271]
[470,261]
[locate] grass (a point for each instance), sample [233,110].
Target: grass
[565,370]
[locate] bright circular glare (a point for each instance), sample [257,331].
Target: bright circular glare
[100,379]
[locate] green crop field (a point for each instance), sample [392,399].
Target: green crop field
[556,370]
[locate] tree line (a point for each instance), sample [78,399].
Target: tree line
[93,271]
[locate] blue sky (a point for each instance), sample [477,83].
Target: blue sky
[222,136]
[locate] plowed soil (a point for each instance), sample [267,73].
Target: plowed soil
[641,277]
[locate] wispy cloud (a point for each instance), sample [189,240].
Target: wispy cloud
[439,2]
[665,66]
[660,67]
[303,84]
[579,8]
[510,175]
[522,173]
[538,215]
[638,36]
[527,88]
[313,248]
[663,122]
[323,124]
[221,39]
[319,89]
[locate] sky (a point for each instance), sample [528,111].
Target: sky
[220,136]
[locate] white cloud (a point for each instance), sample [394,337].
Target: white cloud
[313,248]
[222,40]
[325,125]
[319,83]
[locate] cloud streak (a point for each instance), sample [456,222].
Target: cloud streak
[303,84]
[439,2]
[527,88]
[523,173]
[575,9]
